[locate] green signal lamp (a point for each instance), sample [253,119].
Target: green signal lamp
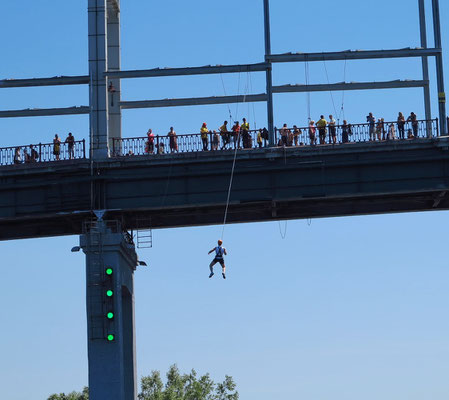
[109,271]
[110,337]
[109,293]
[110,315]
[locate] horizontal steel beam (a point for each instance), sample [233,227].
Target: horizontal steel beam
[352,55]
[350,86]
[42,112]
[194,101]
[56,80]
[208,69]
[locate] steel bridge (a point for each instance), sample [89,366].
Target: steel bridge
[101,193]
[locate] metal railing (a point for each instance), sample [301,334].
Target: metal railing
[214,141]
[357,133]
[188,143]
[42,152]
[351,133]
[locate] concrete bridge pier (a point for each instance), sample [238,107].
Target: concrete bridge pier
[110,264]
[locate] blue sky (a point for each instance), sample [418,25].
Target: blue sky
[345,308]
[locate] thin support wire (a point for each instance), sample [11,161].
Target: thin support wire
[306,72]
[224,90]
[342,110]
[230,186]
[328,82]
[254,110]
[237,105]
[283,234]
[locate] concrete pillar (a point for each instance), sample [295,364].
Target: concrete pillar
[114,90]
[112,363]
[98,93]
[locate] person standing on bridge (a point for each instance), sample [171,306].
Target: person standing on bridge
[220,252]
[56,147]
[70,140]
[34,155]
[312,133]
[245,134]
[224,135]
[401,125]
[391,132]
[215,140]
[149,146]
[17,156]
[173,140]
[259,138]
[236,134]
[379,128]
[332,130]
[371,119]
[204,132]
[414,120]
[296,134]
[284,135]
[345,132]
[321,125]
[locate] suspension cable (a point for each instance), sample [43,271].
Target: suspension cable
[306,73]
[230,186]
[328,83]
[227,104]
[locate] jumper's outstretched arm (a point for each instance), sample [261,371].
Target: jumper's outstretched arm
[211,251]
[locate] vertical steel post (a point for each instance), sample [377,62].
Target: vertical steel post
[425,66]
[98,92]
[114,87]
[266,4]
[439,64]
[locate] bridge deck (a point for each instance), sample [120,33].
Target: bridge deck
[190,189]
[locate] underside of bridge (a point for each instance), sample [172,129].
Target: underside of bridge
[191,189]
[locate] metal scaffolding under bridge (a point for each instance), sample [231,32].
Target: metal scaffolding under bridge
[101,194]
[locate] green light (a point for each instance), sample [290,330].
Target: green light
[108,271]
[110,315]
[111,337]
[109,293]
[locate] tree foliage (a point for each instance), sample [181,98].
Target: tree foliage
[186,387]
[84,395]
[177,387]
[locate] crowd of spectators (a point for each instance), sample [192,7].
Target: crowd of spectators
[322,132]
[31,154]
[240,136]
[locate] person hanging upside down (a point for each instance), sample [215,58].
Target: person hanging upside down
[219,253]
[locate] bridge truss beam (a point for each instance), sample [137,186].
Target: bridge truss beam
[52,81]
[205,70]
[350,86]
[195,101]
[44,112]
[353,55]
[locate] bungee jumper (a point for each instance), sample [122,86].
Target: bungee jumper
[219,253]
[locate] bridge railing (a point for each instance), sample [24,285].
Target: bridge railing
[45,153]
[186,143]
[358,133]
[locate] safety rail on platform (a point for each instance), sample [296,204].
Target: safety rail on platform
[188,143]
[351,133]
[357,133]
[42,152]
